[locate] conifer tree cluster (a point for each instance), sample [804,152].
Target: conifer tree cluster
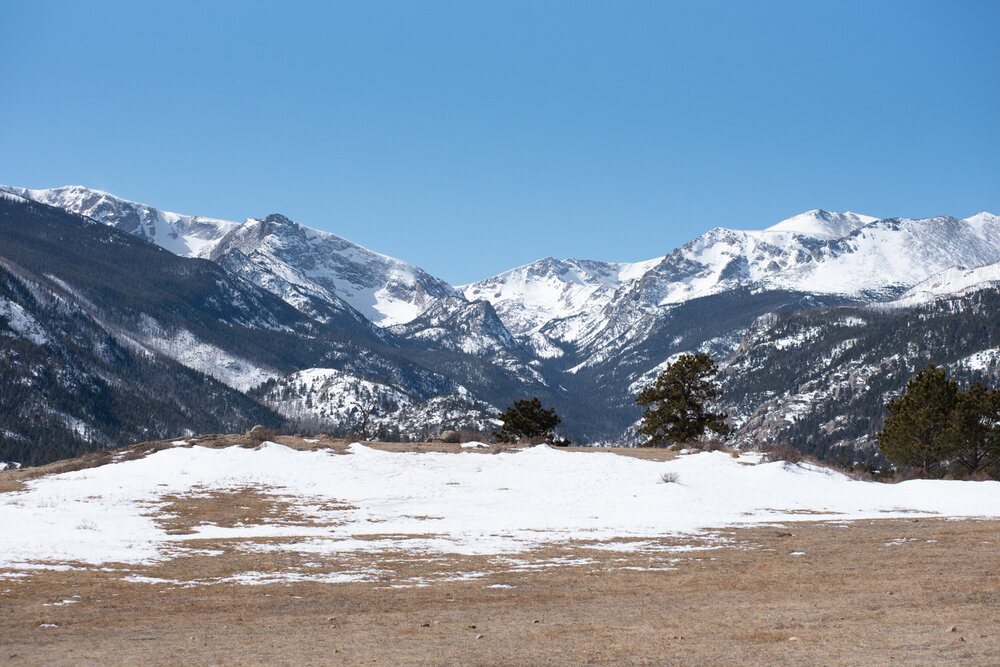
[936,429]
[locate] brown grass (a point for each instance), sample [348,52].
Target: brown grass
[867,592]
[850,599]
[180,515]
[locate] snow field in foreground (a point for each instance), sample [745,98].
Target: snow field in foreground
[468,503]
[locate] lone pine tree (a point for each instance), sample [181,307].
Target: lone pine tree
[527,419]
[677,402]
[916,432]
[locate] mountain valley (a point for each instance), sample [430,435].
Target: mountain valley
[815,322]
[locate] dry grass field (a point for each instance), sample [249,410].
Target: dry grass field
[902,591]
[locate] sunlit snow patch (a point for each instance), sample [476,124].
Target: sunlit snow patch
[373,501]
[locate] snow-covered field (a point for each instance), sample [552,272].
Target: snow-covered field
[470,503]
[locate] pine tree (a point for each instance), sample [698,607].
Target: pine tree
[973,434]
[916,433]
[527,419]
[678,400]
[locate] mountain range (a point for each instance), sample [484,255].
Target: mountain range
[300,327]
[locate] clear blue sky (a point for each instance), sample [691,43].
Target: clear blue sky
[470,137]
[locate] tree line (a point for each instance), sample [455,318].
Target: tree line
[933,429]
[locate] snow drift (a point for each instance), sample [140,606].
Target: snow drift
[467,503]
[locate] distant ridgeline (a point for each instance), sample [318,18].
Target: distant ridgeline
[120,322]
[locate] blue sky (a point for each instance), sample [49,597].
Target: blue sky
[471,137]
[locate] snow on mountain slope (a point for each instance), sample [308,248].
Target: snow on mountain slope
[331,396]
[17,322]
[335,400]
[187,235]
[888,255]
[985,224]
[528,297]
[385,290]
[951,282]
[456,324]
[185,348]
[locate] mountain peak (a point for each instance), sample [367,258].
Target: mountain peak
[278,219]
[822,224]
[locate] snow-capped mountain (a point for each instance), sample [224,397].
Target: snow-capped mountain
[876,260]
[185,235]
[848,255]
[112,339]
[293,261]
[312,270]
[955,281]
[821,224]
[530,296]
[582,335]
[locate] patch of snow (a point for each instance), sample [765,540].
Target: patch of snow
[797,339]
[980,361]
[183,347]
[444,503]
[21,323]
[11,196]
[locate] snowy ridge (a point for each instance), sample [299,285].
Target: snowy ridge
[880,257]
[818,252]
[822,224]
[528,297]
[291,258]
[297,263]
[951,282]
[187,235]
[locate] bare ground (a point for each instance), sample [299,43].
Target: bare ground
[867,592]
